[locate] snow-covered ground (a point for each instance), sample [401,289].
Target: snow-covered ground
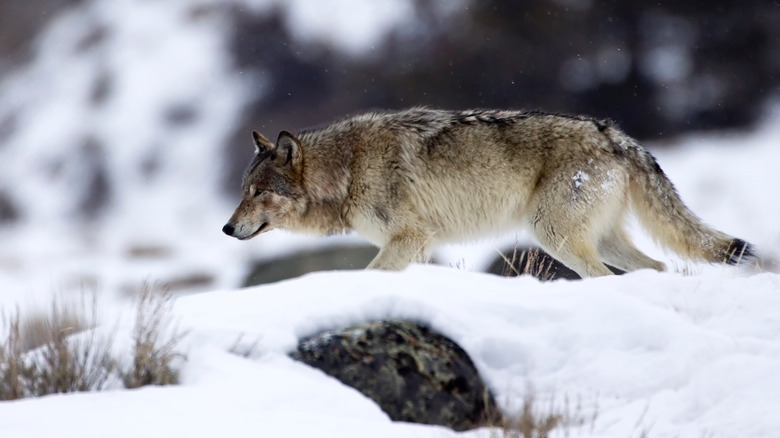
[663,354]
[667,354]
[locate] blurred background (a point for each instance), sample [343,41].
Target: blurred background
[124,124]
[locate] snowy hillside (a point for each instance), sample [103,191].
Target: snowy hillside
[651,353]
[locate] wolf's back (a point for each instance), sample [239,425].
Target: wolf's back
[663,214]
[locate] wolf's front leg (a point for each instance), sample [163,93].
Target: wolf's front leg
[401,250]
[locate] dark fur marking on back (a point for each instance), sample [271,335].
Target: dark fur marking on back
[430,144]
[601,124]
[617,149]
[654,163]
[490,117]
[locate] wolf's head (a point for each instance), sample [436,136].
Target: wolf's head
[272,188]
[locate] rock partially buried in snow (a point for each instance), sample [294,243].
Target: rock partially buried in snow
[535,262]
[530,261]
[412,373]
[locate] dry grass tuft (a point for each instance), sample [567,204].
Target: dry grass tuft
[531,421]
[59,352]
[44,355]
[686,269]
[40,328]
[245,349]
[154,341]
[531,263]
[14,370]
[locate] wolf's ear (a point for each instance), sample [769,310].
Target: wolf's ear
[261,143]
[288,149]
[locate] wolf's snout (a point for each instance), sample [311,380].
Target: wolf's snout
[229,229]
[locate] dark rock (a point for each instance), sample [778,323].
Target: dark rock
[96,192]
[91,37]
[8,211]
[21,23]
[181,115]
[535,262]
[295,265]
[101,88]
[189,283]
[8,125]
[413,373]
[148,251]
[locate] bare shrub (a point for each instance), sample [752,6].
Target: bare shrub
[41,355]
[61,352]
[14,370]
[532,263]
[42,328]
[154,341]
[245,349]
[533,421]
[686,269]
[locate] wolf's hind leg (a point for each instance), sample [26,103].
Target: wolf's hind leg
[579,255]
[567,237]
[402,249]
[616,249]
[574,249]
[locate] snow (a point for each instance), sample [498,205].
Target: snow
[693,352]
[579,178]
[677,355]
[312,20]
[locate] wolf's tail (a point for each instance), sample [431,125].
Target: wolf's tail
[663,214]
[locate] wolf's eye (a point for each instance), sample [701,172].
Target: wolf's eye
[259,192]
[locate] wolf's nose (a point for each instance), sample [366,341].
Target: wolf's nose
[228,229]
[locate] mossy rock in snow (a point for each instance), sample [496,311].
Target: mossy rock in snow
[413,373]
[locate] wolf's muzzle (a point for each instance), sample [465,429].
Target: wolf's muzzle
[229,229]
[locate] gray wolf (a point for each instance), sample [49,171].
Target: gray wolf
[410,179]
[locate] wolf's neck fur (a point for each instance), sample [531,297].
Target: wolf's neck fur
[326,179]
